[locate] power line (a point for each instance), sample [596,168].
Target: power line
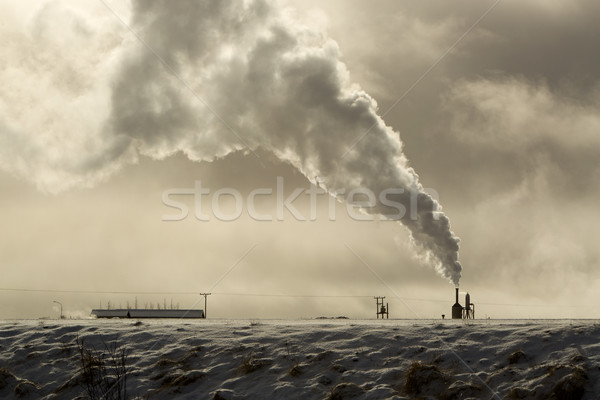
[292,295]
[173,293]
[194,293]
[280,295]
[87,291]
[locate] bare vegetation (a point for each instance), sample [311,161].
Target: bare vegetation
[103,371]
[424,378]
[252,364]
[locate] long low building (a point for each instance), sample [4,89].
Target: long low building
[145,313]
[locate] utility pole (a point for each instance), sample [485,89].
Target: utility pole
[59,303]
[382,310]
[205,294]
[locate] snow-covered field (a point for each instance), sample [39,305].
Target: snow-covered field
[314,359]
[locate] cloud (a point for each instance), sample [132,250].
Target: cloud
[535,226]
[206,79]
[502,128]
[55,99]
[283,88]
[518,115]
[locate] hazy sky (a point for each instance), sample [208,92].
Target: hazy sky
[499,118]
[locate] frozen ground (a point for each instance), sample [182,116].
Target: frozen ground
[316,359]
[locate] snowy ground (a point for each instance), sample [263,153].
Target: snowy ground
[316,359]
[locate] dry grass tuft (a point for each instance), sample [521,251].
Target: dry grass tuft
[252,364]
[296,370]
[423,378]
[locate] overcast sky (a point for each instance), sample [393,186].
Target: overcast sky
[491,105]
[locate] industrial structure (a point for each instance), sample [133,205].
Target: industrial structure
[146,313]
[469,310]
[466,312]
[158,312]
[383,310]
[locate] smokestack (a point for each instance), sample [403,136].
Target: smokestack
[457,309]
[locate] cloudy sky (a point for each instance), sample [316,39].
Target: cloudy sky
[489,107]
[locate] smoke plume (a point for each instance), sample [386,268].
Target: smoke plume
[234,76]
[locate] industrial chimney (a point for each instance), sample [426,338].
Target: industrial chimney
[469,312]
[457,309]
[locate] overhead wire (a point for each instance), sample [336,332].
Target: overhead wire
[280,295]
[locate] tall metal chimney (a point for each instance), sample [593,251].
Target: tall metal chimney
[457,309]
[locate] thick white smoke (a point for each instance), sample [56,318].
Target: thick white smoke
[253,77]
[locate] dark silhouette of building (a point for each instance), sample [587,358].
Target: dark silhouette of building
[457,309]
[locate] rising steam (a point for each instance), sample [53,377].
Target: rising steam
[241,75]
